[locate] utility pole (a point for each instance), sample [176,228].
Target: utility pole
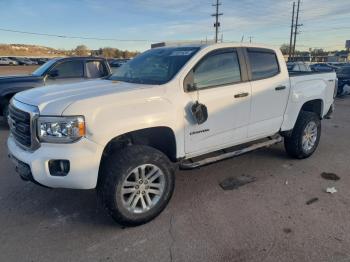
[217,23]
[250,38]
[291,35]
[296,28]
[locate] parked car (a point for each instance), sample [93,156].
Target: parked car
[55,71]
[343,75]
[39,61]
[298,67]
[337,64]
[322,67]
[125,134]
[7,61]
[24,61]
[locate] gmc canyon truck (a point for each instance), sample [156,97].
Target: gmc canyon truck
[182,106]
[55,71]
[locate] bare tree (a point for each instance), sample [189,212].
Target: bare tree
[81,50]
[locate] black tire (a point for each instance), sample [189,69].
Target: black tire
[5,112]
[293,143]
[115,170]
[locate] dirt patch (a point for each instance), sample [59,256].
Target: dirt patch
[330,176]
[231,183]
[287,230]
[17,70]
[311,201]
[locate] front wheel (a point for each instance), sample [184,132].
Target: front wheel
[305,136]
[5,112]
[135,184]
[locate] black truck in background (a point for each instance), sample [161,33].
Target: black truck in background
[55,71]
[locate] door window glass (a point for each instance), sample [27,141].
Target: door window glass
[217,69]
[263,64]
[70,69]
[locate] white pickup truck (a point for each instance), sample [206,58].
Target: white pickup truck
[189,105]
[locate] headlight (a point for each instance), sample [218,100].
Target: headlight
[61,129]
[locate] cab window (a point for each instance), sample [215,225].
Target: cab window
[216,69]
[69,69]
[263,63]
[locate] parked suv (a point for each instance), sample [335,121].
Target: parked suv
[55,71]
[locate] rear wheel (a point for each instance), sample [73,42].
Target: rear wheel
[136,184]
[305,136]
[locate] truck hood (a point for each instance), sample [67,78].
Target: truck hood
[54,99]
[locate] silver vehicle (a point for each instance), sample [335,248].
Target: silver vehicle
[7,61]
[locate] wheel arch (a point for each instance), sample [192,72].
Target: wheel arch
[315,106]
[161,138]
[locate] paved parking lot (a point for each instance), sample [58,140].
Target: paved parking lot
[267,220]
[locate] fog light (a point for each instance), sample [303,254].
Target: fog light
[59,167]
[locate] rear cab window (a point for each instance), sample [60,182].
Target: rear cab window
[95,69]
[263,63]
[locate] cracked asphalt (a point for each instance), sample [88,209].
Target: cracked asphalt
[266,220]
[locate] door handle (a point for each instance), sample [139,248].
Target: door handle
[240,95]
[279,88]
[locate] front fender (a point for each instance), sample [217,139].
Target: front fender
[110,116]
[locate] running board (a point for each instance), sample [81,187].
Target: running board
[210,160]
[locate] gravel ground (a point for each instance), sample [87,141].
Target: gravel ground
[17,70]
[266,220]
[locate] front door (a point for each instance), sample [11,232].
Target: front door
[218,79]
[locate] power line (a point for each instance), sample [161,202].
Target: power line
[217,23]
[76,37]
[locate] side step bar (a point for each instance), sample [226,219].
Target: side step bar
[210,160]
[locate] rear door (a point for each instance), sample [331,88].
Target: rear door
[221,80]
[270,90]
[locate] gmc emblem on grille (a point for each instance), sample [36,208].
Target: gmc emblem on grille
[12,123]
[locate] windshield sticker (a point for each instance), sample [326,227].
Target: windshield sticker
[181,53]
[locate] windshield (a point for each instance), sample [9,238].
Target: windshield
[156,66]
[42,69]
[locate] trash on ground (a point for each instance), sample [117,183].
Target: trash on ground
[286,182]
[330,176]
[331,190]
[312,200]
[236,182]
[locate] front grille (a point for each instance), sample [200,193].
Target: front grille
[19,122]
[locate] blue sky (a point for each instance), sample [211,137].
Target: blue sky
[326,22]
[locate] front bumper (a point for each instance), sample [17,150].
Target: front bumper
[84,157]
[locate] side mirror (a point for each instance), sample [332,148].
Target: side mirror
[53,73]
[199,112]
